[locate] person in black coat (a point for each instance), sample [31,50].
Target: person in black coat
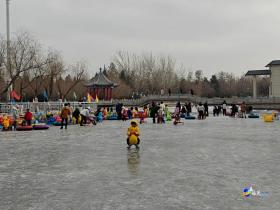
[76,114]
[153,111]
[206,114]
[119,110]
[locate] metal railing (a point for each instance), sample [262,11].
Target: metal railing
[269,103]
[42,106]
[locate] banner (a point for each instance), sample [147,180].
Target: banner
[15,96]
[89,98]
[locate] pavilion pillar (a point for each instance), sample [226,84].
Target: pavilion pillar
[106,94]
[97,92]
[254,86]
[110,93]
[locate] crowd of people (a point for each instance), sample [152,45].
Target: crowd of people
[159,112]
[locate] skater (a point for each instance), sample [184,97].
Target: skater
[133,133]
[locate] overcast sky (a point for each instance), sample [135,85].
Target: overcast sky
[211,35]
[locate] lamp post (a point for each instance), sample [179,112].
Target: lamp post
[8,47]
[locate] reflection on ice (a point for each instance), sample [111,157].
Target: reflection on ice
[133,161]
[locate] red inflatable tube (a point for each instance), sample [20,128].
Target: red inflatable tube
[24,128]
[40,127]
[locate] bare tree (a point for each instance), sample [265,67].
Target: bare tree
[54,70]
[24,54]
[78,73]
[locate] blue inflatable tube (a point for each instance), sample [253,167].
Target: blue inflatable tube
[190,117]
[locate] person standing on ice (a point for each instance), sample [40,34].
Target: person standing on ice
[224,106]
[206,114]
[201,111]
[153,111]
[161,113]
[65,113]
[243,109]
[28,117]
[84,115]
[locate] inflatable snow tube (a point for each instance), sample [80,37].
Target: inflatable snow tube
[253,116]
[24,128]
[41,127]
[268,118]
[56,124]
[183,115]
[190,117]
[133,140]
[112,118]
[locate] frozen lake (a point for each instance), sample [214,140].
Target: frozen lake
[198,165]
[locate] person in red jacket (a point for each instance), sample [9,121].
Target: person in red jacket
[28,117]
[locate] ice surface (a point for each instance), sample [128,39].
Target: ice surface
[198,165]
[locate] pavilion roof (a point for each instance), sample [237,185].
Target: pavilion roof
[258,72]
[273,63]
[100,80]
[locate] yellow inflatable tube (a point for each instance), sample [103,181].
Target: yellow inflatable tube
[133,140]
[268,118]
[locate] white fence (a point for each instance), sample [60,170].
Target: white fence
[43,106]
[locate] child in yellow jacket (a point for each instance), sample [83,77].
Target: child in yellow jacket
[133,130]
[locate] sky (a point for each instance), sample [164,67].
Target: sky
[209,35]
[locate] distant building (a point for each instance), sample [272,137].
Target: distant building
[101,86]
[274,67]
[274,72]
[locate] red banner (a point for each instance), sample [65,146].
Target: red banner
[15,96]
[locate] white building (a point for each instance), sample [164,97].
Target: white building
[274,72]
[274,67]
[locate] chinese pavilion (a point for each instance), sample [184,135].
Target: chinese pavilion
[100,86]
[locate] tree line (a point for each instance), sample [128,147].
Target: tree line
[148,74]
[34,71]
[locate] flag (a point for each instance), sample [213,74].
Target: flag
[45,94]
[96,99]
[75,96]
[89,98]
[15,96]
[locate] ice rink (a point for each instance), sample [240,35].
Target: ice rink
[198,165]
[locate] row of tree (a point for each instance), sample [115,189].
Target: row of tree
[33,71]
[148,74]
